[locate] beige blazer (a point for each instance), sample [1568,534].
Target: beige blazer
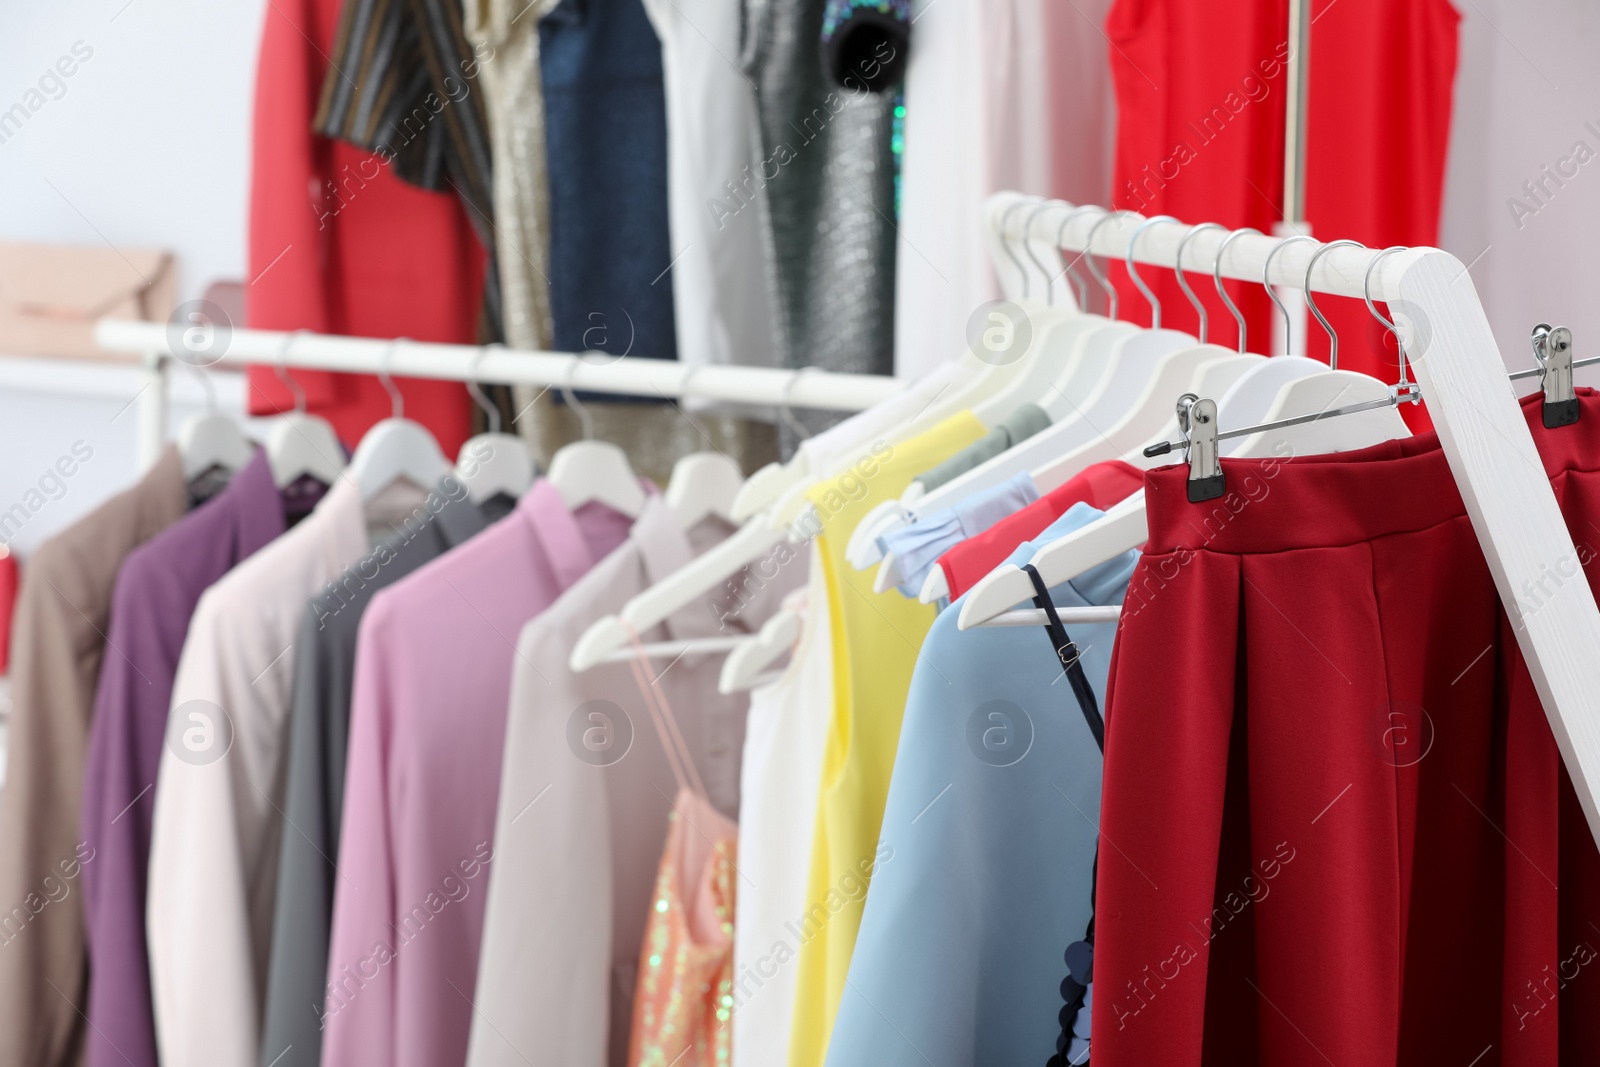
[58,641]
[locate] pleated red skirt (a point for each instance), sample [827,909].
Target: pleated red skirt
[1336,827]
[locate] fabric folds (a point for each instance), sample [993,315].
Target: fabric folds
[986,857]
[1334,795]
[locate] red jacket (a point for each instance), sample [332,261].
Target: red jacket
[340,245]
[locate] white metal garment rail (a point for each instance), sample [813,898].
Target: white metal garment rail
[1480,425]
[161,343]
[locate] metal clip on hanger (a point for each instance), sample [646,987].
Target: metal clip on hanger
[1201,436]
[1552,348]
[1197,419]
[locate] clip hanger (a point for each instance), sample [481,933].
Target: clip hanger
[1553,349]
[1197,418]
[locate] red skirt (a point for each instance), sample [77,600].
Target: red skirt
[1336,827]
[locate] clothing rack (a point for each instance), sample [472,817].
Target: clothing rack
[160,346]
[1297,88]
[1481,429]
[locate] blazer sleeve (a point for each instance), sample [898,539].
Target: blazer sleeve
[125,743]
[198,923]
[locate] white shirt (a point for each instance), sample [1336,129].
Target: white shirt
[783,742]
[1000,94]
[719,274]
[217,821]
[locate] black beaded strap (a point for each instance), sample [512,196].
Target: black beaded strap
[1068,654]
[1079,956]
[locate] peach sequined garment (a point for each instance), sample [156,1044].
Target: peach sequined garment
[682,1006]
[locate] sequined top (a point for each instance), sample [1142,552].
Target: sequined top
[683,1004]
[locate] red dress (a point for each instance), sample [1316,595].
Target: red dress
[340,245]
[1200,105]
[1336,826]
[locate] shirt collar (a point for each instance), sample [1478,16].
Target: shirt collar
[460,519]
[256,502]
[557,531]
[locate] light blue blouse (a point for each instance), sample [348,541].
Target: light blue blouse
[991,818]
[918,545]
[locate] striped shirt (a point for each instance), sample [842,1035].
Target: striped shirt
[403,82]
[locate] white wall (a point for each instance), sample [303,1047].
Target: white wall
[1526,86]
[148,143]
[95,412]
[145,144]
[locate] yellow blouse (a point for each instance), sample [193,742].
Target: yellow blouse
[876,640]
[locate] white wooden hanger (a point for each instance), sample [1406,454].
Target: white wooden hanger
[953,387]
[789,514]
[395,448]
[1218,375]
[747,664]
[706,572]
[1070,349]
[703,484]
[1152,411]
[1025,370]
[1213,377]
[209,439]
[494,462]
[1084,352]
[590,470]
[299,443]
[1126,526]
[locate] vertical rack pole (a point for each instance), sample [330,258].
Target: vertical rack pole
[152,404]
[1296,89]
[1294,119]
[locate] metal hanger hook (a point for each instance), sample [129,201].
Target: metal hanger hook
[1027,248]
[1266,271]
[1005,240]
[490,411]
[786,412]
[1088,258]
[585,420]
[1067,264]
[1333,336]
[1216,276]
[684,392]
[281,367]
[1199,308]
[1388,324]
[1133,271]
[396,401]
[208,385]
